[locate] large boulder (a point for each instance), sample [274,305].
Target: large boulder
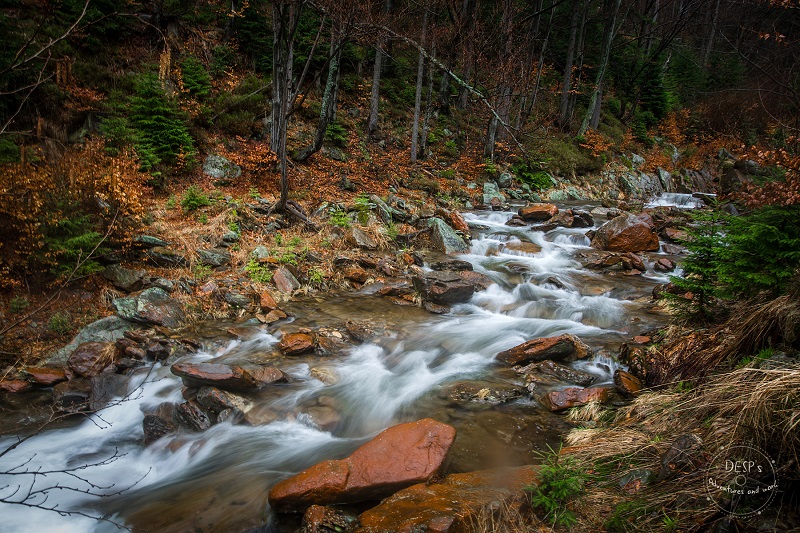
[626,233]
[538,212]
[535,372]
[91,358]
[225,377]
[492,195]
[151,307]
[451,505]
[108,329]
[564,348]
[573,397]
[443,287]
[445,239]
[221,169]
[123,278]
[397,458]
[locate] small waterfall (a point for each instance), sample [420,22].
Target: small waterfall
[674,199]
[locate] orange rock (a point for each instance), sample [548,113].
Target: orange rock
[573,397]
[267,302]
[296,343]
[641,339]
[538,212]
[450,505]
[267,375]
[627,383]
[454,220]
[397,458]
[359,275]
[46,376]
[564,348]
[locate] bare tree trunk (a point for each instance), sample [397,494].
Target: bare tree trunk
[566,84]
[375,95]
[285,17]
[426,123]
[710,43]
[539,67]
[594,103]
[467,15]
[326,114]
[579,52]
[418,95]
[504,89]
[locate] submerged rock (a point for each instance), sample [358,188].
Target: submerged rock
[564,348]
[398,457]
[553,369]
[450,505]
[322,519]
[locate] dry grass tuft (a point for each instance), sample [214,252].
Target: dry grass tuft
[754,406]
[508,517]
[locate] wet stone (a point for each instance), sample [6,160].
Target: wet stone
[553,369]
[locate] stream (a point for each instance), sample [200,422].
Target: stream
[218,480]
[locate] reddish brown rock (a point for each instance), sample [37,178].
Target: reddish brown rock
[267,302]
[448,506]
[564,348]
[641,339]
[573,397]
[268,374]
[626,234]
[454,220]
[444,288]
[45,376]
[359,275]
[538,212]
[159,421]
[664,265]
[224,377]
[15,385]
[628,384]
[90,358]
[216,400]
[675,234]
[397,458]
[296,343]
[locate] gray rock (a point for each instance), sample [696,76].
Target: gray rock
[149,241]
[260,253]
[231,236]
[109,329]
[362,239]
[163,284]
[237,299]
[334,153]
[285,281]
[214,258]
[166,256]
[445,239]
[221,169]
[444,288]
[490,190]
[151,307]
[558,196]
[124,278]
[637,160]
[504,180]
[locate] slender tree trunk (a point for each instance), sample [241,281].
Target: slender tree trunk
[418,95]
[566,84]
[710,43]
[326,114]
[375,94]
[539,68]
[579,52]
[426,123]
[504,89]
[285,16]
[594,103]
[468,16]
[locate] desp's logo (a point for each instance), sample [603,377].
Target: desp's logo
[741,480]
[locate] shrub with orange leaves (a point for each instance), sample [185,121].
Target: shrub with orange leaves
[36,197]
[784,192]
[596,142]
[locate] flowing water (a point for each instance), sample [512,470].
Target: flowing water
[679,200]
[218,480]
